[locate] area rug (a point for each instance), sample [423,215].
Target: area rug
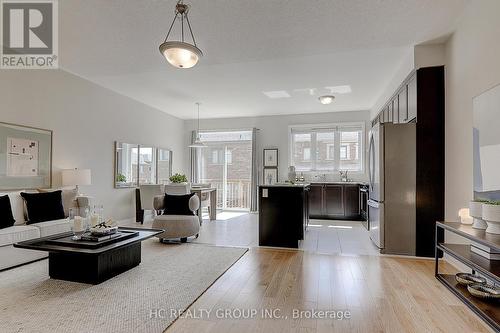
[147,298]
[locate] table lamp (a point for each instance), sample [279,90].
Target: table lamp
[76,177]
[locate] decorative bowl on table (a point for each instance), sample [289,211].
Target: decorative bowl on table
[484,291]
[468,279]
[104,229]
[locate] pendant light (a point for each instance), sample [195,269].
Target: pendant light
[181,54]
[197,142]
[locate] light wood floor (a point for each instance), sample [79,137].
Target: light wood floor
[382,294]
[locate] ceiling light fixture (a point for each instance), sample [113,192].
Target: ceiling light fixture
[197,142]
[326,99]
[181,54]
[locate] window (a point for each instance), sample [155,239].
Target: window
[327,148]
[343,152]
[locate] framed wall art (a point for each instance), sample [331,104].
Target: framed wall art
[25,157]
[271,158]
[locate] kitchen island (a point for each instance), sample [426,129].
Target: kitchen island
[283,214]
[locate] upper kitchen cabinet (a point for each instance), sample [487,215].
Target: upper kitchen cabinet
[402,107]
[403,104]
[412,98]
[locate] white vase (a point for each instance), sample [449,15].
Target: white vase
[476,211]
[491,214]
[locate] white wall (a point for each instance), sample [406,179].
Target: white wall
[86,120]
[472,67]
[273,132]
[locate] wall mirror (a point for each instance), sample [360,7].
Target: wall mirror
[137,164]
[25,157]
[486,142]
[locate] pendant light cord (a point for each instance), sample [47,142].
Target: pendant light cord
[198,104]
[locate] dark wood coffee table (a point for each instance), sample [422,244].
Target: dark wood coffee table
[91,265]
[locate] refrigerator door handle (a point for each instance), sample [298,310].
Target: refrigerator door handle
[371,161]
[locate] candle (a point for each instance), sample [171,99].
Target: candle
[94,220]
[464,215]
[78,224]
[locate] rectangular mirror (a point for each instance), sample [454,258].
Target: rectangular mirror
[486,142]
[137,164]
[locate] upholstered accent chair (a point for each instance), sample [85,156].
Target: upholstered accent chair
[178,189]
[177,226]
[148,193]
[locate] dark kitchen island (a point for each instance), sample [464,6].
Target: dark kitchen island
[283,214]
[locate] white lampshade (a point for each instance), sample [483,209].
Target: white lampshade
[74,177]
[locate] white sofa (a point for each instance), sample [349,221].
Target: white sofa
[20,231]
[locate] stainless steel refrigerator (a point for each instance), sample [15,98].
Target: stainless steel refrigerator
[392,192]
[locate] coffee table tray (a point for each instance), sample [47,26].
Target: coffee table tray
[68,241]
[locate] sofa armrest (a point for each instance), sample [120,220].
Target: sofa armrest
[84,201]
[159,202]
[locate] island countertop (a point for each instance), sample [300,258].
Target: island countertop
[286,185]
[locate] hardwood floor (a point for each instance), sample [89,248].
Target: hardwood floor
[381,293]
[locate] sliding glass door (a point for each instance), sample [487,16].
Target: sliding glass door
[226,163]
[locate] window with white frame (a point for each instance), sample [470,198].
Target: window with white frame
[329,147]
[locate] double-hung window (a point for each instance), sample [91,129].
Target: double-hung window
[329,147]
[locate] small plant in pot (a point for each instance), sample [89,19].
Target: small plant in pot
[476,211]
[491,214]
[178,179]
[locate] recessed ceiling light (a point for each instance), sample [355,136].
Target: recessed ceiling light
[339,89]
[326,99]
[277,94]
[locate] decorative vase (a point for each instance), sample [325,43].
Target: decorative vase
[476,211]
[292,175]
[491,214]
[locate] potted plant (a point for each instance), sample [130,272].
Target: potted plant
[491,214]
[178,179]
[476,211]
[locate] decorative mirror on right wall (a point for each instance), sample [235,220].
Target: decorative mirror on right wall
[486,142]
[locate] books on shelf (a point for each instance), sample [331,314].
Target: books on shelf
[484,251]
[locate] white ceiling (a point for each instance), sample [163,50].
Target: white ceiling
[250,47]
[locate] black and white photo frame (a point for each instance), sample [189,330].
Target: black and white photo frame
[271,158]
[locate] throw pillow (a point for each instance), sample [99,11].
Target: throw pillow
[68,198]
[177,204]
[6,217]
[43,206]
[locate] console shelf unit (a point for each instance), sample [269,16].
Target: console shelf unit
[489,311]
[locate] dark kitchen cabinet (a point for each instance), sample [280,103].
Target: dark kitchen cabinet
[412,98]
[395,110]
[333,199]
[403,104]
[283,215]
[316,200]
[351,201]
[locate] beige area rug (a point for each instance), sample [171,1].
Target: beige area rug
[139,300]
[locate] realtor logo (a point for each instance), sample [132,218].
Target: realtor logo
[29,34]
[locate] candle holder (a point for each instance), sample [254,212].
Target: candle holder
[78,218]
